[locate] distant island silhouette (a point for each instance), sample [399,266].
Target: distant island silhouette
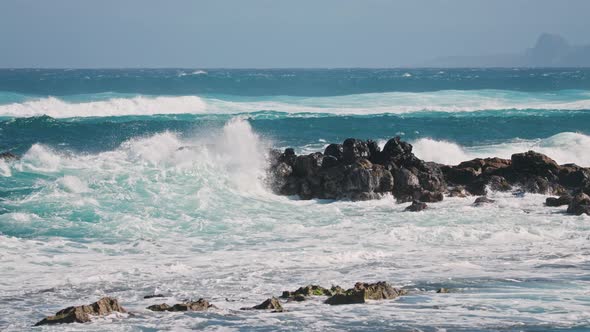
[550,50]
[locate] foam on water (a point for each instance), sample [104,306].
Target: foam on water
[447,101]
[191,218]
[564,148]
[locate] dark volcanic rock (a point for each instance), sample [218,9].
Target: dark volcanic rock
[416,206]
[358,170]
[269,304]
[8,156]
[153,296]
[354,149]
[200,305]
[365,291]
[580,204]
[482,201]
[534,163]
[83,313]
[559,201]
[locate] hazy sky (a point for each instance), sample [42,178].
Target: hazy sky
[275,33]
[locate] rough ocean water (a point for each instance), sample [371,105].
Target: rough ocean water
[136,182]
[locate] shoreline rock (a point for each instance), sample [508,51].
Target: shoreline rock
[359,170]
[83,313]
[366,291]
[199,305]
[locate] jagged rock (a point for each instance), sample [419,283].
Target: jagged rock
[269,304]
[200,305]
[416,206]
[312,290]
[8,156]
[534,163]
[365,291]
[153,296]
[579,205]
[308,165]
[354,149]
[573,176]
[83,313]
[334,150]
[442,291]
[482,201]
[559,201]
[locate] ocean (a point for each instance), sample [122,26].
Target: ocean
[152,181]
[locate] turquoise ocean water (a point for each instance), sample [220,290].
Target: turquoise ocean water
[135,182]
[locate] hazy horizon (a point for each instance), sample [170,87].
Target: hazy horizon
[264,34]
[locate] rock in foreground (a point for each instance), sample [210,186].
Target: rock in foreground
[365,291]
[269,304]
[200,305]
[83,313]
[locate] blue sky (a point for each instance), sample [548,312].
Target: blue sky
[274,33]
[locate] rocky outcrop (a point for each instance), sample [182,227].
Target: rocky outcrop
[302,293]
[200,305]
[579,205]
[269,304]
[357,170]
[360,170]
[365,291]
[84,313]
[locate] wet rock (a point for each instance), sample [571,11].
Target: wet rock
[458,191]
[442,291]
[354,149]
[308,165]
[312,290]
[200,305]
[534,163]
[84,313]
[269,304]
[153,296]
[559,201]
[8,156]
[430,197]
[579,205]
[416,206]
[483,201]
[334,150]
[365,291]
[159,307]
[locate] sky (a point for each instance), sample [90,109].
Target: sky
[274,33]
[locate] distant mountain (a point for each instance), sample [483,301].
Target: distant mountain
[550,50]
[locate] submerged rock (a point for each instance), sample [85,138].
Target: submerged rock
[269,304]
[416,206]
[8,156]
[200,305]
[84,313]
[366,291]
[482,201]
[153,296]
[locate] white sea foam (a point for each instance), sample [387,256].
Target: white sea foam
[565,148]
[360,104]
[58,108]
